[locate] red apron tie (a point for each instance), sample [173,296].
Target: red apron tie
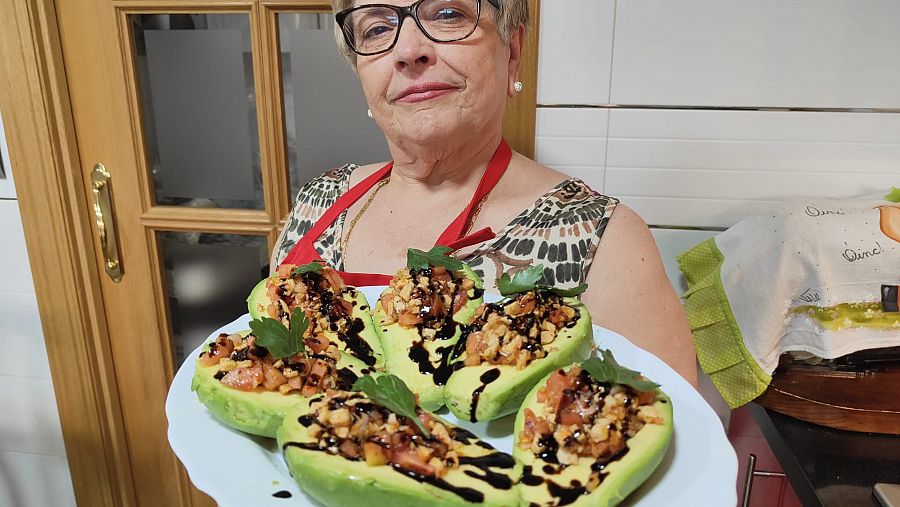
[304,250]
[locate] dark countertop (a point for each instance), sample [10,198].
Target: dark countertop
[829,467]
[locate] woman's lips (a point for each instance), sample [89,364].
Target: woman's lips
[422,92]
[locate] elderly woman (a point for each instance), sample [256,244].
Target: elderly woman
[436,75]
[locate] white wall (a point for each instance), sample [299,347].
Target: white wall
[33,467]
[698,113]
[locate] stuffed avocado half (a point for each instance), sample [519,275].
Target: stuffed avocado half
[338,313]
[420,318]
[586,441]
[345,449]
[510,346]
[246,388]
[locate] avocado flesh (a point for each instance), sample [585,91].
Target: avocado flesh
[258,412]
[851,315]
[620,477]
[397,343]
[504,395]
[336,481]
[259,300]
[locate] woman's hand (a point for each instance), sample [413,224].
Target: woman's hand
[630,294]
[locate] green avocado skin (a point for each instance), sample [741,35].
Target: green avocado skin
[258,301]
[335,481]
[645,452]
[397,340]
[505,395]
[256,412]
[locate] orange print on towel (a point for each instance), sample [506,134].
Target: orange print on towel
[890,221]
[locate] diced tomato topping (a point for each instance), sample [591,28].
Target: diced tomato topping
[473,358]
[220,349]
[408,320]
[317,344]
[273,377]
[407,458]
[350,449]
[314,379]
[569,415]
[646,397]
[556,388]
[245,379]
[346,305]
[334,280]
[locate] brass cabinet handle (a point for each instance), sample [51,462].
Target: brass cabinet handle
[106,225]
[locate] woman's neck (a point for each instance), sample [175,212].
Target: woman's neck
[444,167]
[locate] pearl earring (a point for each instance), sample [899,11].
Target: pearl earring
[369,113]
[518,86]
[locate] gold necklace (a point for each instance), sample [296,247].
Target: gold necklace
[346,241]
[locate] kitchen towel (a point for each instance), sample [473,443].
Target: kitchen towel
[816,275]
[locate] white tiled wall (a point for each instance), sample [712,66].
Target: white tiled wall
[33,467]
[709,163]
[575,41]
[662,103]
[802,53]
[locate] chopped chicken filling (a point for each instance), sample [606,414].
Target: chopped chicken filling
[519,331]
[425,298]
[244,366]
[585,418]
[351,425]
[317,293]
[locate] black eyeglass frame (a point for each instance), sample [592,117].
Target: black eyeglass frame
[402,13]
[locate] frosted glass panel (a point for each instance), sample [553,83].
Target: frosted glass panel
[208,278]
[195,74]
[324,109]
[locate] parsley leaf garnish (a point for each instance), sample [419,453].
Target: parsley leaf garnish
[437,256]
[527,279]
[280,341]
[606,369]
[391,392]
[306,268]
[893,195]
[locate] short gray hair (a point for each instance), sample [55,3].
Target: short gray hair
[512,13]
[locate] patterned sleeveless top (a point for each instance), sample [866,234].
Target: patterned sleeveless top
[561,230]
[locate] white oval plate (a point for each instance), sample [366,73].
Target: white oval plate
[700,467]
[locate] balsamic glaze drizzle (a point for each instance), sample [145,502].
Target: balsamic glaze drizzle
[481,463]
[444,366]
[486,378]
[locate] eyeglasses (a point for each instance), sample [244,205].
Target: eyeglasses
[374,28]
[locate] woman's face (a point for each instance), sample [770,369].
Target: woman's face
[423,91]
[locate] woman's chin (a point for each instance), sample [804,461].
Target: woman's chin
[425,126]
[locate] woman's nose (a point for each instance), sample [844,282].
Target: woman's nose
[413,47]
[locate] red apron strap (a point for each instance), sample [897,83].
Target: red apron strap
[365,279]
[345,201]
[476,237]
[495,169]
[304,251]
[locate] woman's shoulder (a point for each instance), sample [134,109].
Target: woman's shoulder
[333,179]
[571,201]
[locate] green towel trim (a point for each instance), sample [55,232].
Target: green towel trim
[717,337]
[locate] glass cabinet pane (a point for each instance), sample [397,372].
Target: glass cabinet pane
[324,109]
[197,99]
[207,280]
